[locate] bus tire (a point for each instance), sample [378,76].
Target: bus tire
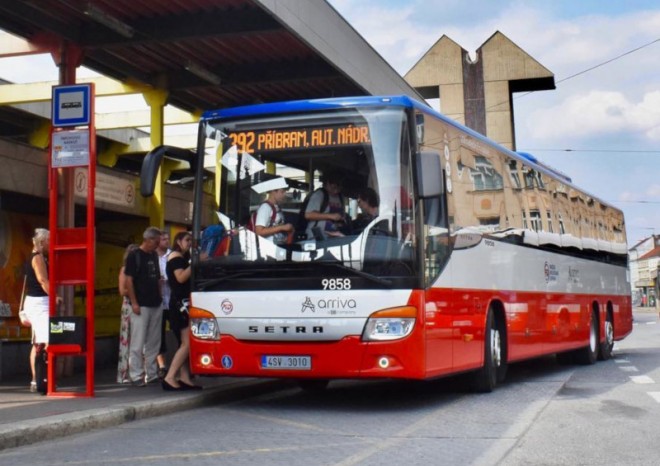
[485,379]
[607,345]
[589,354]
[313,385]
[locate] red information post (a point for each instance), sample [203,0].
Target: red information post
[72,249]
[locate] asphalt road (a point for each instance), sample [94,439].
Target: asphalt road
[544,414]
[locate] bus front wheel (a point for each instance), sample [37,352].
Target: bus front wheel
[589,354]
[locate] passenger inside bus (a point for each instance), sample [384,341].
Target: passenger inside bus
[268,220]
[324,211]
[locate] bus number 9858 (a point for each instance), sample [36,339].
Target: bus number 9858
[336,283]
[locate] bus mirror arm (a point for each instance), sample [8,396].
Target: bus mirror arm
[430,182]
[152,162]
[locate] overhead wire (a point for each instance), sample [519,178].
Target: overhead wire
[586,70]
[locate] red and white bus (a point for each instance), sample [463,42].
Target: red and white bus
[478,256]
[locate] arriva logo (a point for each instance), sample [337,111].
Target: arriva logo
[308,305]
[332,304]
[336,303]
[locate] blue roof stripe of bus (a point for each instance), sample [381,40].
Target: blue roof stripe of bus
[336,103]
[297,106]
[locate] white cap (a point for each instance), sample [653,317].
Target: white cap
[270,185]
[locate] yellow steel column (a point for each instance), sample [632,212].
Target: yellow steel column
[110,155]
[156,99]
[40,137]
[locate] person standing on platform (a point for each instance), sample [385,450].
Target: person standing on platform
[37,288]
[178,271]
[163,250]
[143,288]
[125,323]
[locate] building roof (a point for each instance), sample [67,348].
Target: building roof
[655,252]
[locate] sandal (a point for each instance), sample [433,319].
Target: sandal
[162,372]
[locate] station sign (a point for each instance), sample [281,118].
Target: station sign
[72,105]
[70,148]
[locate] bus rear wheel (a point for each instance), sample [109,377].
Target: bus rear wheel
[494,368]
[607,345]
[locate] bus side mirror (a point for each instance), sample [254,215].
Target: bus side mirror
[429,175]
[151,164]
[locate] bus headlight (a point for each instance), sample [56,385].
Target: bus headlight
[390,324]
[203,324]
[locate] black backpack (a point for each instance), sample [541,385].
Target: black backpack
[301,226]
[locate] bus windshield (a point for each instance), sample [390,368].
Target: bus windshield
[316,195]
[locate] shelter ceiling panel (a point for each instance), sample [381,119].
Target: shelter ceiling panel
[207,53]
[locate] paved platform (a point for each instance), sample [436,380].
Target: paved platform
[27,418]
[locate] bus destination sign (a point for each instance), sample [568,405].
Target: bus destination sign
[300,138]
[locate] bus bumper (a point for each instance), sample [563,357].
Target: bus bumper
[347,358]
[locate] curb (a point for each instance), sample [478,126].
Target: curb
[62,425]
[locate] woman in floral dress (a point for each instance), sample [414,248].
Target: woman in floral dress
[125,326]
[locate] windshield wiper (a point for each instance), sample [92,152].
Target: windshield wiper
[368,276]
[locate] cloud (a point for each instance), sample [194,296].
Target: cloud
[653,191]
[596,113]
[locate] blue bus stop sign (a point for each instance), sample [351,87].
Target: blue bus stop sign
[72,105]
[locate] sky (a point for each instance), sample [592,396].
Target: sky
[608,116]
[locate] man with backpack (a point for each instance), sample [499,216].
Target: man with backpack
[324,209]
[268,220]
[143,290]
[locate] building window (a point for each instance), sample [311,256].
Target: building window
[490,224]
[532,178]
[535,220]
[484,176]
[550,229]
[513,173]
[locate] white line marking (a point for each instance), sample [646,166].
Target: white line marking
[628,368]
[655,396]
[621,361]
[641,379]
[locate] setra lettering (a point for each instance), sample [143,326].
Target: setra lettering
[286,329]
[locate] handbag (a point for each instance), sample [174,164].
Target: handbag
[22,314]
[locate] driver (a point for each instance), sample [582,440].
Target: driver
[368,202]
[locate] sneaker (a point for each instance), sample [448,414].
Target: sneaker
[152,379]
[33,387]
[138,383]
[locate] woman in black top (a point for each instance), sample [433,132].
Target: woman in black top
[37,288]
[178,275]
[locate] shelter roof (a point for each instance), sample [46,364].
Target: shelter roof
[207,53]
